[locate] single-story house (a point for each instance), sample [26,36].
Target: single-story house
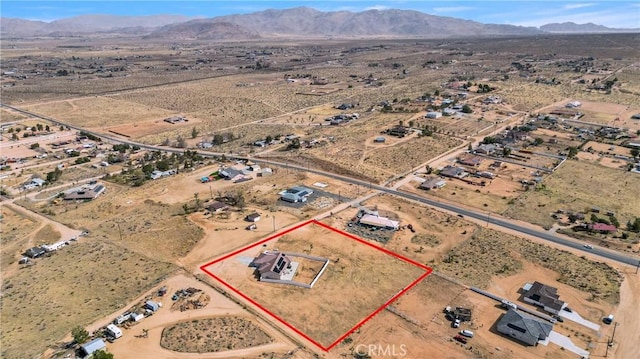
[270,265]
[486,148]
[433,114]
[35,252]
[296,194]
[230,173]
[85,194]
[543,296]
[380,222]
[92,346]
[523,327]
[265,172]
[602,228]
[432,183]
[217,207]
[253,217]
[398,131]
[35,182]
[471,161]
[449,111]
[453,172]
[158,174]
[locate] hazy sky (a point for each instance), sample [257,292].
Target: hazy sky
[624,14]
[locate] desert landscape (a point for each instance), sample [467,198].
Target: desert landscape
[246,187]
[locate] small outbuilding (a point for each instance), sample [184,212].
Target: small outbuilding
[253,217]
[35,252]
[92,346]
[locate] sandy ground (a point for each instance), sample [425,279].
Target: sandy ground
[218,306]
[65,234]
[628,332]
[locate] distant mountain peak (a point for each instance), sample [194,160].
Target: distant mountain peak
[572,27]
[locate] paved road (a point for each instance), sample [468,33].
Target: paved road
[495,220]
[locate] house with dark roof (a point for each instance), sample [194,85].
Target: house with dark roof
[217,207]
[470,161]
[253,217]
[453,172]
[398,131]
[35,252]
[523,327]
[432,183]
[543,296]
[271,265]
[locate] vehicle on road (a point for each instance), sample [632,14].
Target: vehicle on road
[588,246]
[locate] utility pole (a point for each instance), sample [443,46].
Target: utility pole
[610,342]
[274,223]
[119,230]
[637,266]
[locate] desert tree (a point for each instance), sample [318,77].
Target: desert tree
[101,354]
[80,335]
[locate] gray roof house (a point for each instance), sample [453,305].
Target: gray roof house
[523,327]
[296,194]
[454,172]
[544,296]
[93,346]
[271,264]
[432,182]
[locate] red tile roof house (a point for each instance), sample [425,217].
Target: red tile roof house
[270,265]
[603,228]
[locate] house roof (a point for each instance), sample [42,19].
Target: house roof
[546,295]
[271,262]
[451,171]
[432,182]
[253,215]
[217,206]
[603,227]
[93,346]
[527,328]
[372,220]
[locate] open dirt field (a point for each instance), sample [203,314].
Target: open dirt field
[322,312]
[213,335]
[128,217]
[489,253]
[100,112]
[572,187]
[41,303]
[144,232]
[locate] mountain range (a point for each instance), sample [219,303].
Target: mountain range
[295,22]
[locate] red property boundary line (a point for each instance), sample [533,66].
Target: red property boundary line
[285,323]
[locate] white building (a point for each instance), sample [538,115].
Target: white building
[433,114]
